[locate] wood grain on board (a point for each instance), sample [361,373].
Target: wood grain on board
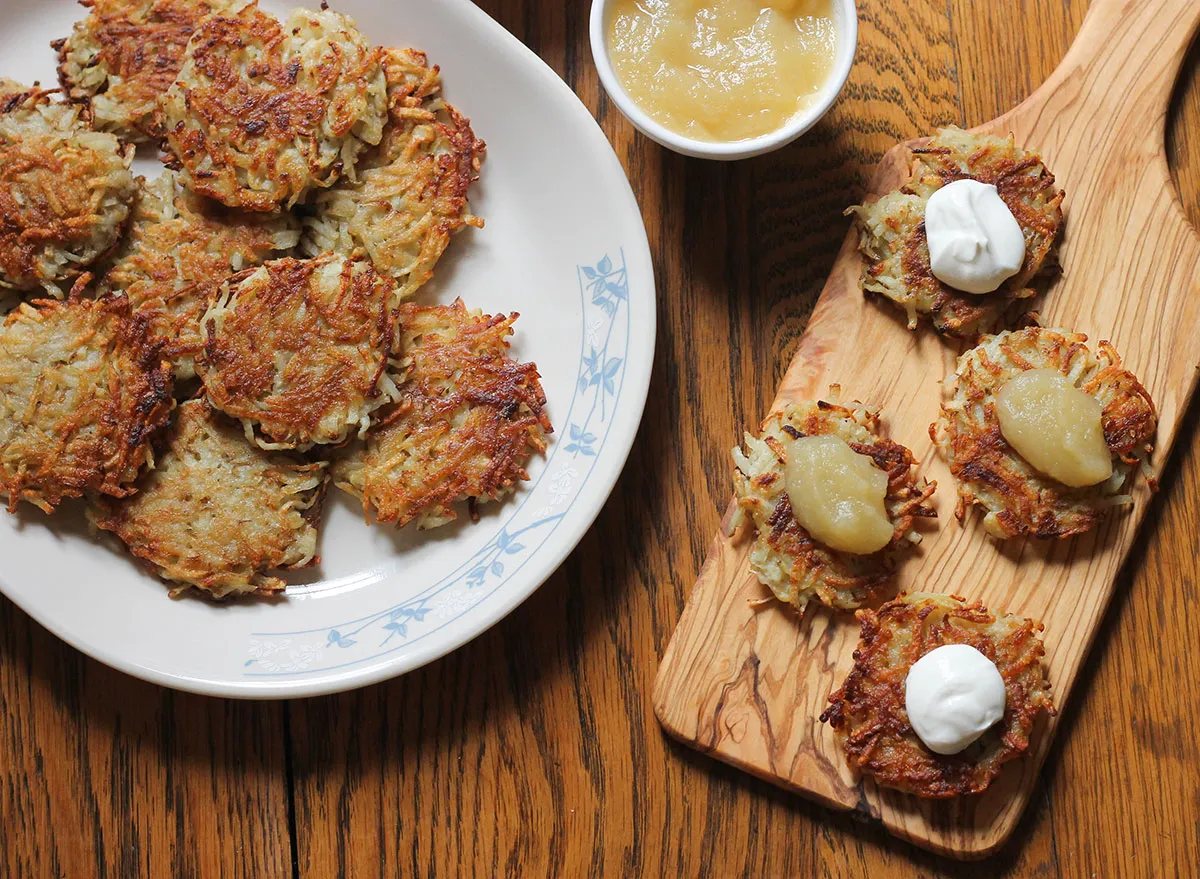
[534,751]
[747,684]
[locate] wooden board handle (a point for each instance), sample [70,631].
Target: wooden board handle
[1120,69]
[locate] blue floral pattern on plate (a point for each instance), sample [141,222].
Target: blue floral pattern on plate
[604,298]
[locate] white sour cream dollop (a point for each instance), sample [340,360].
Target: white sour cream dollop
[975,243]
[953,694]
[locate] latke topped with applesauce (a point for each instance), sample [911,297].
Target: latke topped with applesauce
[1018,498]
[262,112]
[892,230]
[122,57]
[218,513]
[65,191]
[468,418]
[409,194]
[300,349]
[179,249]
[83,390]
[868,711]
[785,557]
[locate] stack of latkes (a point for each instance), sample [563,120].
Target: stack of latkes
[208,348]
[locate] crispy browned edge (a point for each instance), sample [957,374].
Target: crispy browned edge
[277,114]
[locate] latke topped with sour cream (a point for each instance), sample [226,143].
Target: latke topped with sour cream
[868,711]
[893,240]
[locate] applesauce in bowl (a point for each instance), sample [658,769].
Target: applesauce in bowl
[723,78]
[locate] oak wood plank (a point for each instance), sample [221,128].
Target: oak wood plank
[104,775]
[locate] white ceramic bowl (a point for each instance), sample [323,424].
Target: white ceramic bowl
[845,18]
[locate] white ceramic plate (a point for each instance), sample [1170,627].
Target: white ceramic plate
[564,245]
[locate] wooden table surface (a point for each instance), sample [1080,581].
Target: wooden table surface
[533,751]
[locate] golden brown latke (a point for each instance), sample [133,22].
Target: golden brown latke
[868,710]
[892,230]
[216,512]
[794,566]
[82,390]
[300,348]
[468,419]
[411,191]
[124,55]
[65,191]
[989,472]
[260,113]
[180,248]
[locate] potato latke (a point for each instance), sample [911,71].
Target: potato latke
[216,512]
[180,248]
[65,191]
[83,390]
[261,112]
[892,230]
[124,56]
[788,561]
[989,472]
[868,710]
[300,349]
[468,418]
[411,191]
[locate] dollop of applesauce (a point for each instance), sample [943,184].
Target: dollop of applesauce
[722,70]
[837,494]
[1055,427]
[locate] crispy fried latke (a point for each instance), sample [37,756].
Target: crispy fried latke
[868,710]
[794,566]
[260,113]
[124,55]
[216,512]
[989,472]
[468,419]
[892,230]
[411,191]
[83,390]
[65,191]
[300,349]
[180,248]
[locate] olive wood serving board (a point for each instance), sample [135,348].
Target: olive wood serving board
[747,684]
